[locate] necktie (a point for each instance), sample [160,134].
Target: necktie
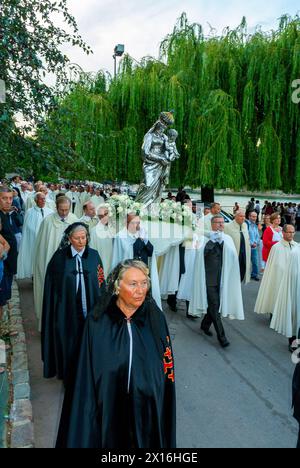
[242,255]
[63,220]
[42,211]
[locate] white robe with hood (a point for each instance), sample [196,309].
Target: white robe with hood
[48,241]
[286,314]
[102,241]
[32,222]
[231,302]
[275,270]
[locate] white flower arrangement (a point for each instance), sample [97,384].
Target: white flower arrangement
[167,211]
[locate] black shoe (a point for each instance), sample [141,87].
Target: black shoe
[207,332]
[172,305]
[191,317]
[224,343]
[255,278]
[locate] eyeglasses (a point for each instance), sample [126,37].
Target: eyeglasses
[218,222]
[103,215]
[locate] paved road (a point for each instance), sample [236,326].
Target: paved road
[234,397]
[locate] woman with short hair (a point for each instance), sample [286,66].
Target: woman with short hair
[272,235]
[74,282]
[124,393]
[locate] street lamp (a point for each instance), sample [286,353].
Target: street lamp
[118,52]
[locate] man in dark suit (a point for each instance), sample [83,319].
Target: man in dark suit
[10,264]
[213,260]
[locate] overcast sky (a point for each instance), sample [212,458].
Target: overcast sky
[142,24]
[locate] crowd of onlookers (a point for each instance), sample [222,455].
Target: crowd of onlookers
[288,211]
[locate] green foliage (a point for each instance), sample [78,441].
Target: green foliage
[30,48]
[231,95]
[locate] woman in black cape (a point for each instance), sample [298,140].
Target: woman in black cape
[124,392]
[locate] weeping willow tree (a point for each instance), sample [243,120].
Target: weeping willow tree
[232,99]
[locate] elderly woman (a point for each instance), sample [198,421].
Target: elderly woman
[272,235]
[74,282]
[124,395]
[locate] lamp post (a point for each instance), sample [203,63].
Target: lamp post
[118,52]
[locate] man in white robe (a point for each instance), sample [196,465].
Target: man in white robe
[191,244]
[24,192]
[32,222]
[169,275]
[84,197]
[97,199]
[30,199]
[49,202]
[89,215]
[73,195]
[238,231]
[286,311]
[102,238]
[47,242]
[174,265]
[276,268]
[216,288]
[132,242]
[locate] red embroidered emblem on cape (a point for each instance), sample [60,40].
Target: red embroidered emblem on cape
[168,362]
[100,275]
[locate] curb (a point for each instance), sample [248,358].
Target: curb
[21,433]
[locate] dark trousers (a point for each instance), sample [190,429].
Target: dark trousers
[213,316]
[5,287]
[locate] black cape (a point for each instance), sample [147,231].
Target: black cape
[296,393]
[103,413]
[62,323]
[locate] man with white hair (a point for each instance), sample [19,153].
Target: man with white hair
[239,233]
[30,199]
[48,200]
[47,242]
[32,222]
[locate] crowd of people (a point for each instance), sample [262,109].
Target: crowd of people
[98,290]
